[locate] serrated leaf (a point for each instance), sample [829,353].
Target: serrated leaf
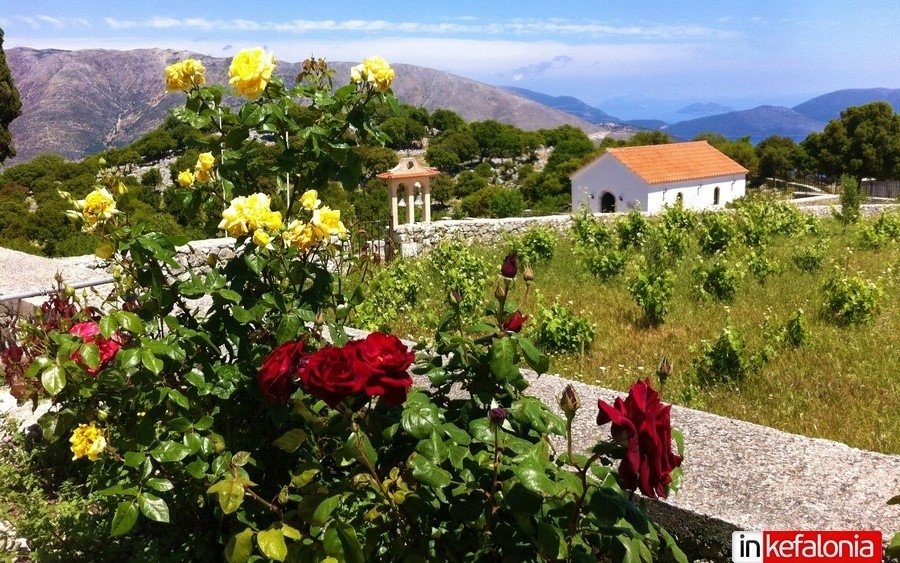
[108,325]
[531,474]
[240,547]
[536,360]
[153,507]
[291,440]
[503,359]
[124,519]
[428,473]
[53,379]
[129,358]
[90,355]
[197,469]
[170,451]
[420,419]
[433,448]
[271,544]
[130,322]
[288,328]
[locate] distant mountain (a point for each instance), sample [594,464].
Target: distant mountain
[567,104]
[650,124]
[829,106]
[703,109]
[80,102]
[758,123]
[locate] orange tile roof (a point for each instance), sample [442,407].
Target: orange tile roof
[675,162]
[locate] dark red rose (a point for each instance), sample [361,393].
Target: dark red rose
[330,375]
[510,266]
[89,331]
[280,370]
[514,322]
[644,422]
[383,360]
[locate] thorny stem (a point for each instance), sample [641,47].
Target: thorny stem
[579,502]
[492,506]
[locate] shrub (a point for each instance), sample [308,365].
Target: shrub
[796,333]
[588,231]
[536,245]
[392,290]
[759,265]
[850,300]
[632,230]
[883,230]
[723,361]
[602,263]
[851,200]
[559,329]
[809,257]
[652,289]
[493,201]
[716,232]
[457,268]
[717,279]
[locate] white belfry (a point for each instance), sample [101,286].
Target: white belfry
[411,176]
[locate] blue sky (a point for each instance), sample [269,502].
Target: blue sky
[652,55]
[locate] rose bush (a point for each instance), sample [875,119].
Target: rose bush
[225,410]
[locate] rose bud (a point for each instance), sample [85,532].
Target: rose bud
[501,291]
[528,274]
[664,370]
[510,266]
[497,415]
[455,297]
[514,322]
[569,401]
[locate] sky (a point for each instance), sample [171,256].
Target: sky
[637,59]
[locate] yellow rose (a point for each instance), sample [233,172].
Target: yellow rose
[261,238]
[97,206]
[87,441]
[183,75]
[205,161]
[374,70]
[310,200]
[247,214]
[250,72]
[203,176]
[327,222]
[186,179]
[300,235]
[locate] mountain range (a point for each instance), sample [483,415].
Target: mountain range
[75,103]
[757,123]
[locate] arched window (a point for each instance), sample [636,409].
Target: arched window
[716,196]
[607,203]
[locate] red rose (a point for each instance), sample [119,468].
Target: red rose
[89,331]
[383,360]
[510,266]
[329,375]
[514,322]
[280,370]
[644,422]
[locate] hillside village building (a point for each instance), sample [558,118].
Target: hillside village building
[653,176]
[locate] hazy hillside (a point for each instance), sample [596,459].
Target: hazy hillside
[79,102]
[829,106]
[701,109]
[759,123]
[567,104]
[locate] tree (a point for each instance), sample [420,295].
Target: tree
[779,157]
[851,199]
[404,132]
[10,106]
[497,140]
[461,142]
[740,150]
[445,120]
[650,138]
[442,159]
[375,160]
[443,187]
[863,142]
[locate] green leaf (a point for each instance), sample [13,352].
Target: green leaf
[428,473]
[231,494]
[179,399]
[503,359]
[160,484]
[170,451]
[240,547]
[291,440]
[124,519]
[130,322]
[552,541]
[323,511]
[288,328]
[342,543]
[240,459]
[129,358]
[271,544]
[893,548]
[151,362]
[420,419]
[108,325]
[536,360]
[154,507]
[53,379]
[531,474]
[433,448]
[90,354]
[457,434]
[197,469]
[134,459]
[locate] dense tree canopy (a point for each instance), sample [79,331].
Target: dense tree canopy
[10,106]
[863,142]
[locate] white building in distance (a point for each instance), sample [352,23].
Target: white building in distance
[652,176]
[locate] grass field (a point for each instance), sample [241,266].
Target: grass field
[844,384]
